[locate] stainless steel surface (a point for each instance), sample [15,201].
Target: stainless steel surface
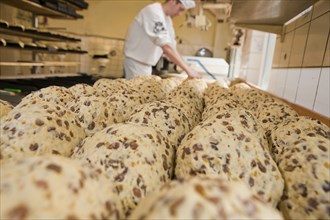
[267,12]
[265,15]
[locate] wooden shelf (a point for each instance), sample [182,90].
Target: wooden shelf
[16,46]
[38,35]
[75,6]
[38,9]
[39,76]
[42,63]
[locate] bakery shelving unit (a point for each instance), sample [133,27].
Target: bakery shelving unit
[43,42]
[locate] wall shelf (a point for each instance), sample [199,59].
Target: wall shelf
[42,63]
[39,9]
[37,35]
[78,5]
[39,76]
[39,49]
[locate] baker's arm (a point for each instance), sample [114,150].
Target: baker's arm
[175,57]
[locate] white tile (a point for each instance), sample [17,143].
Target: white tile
[253,76]
[272,81]
[243,73]
[247,39]
[257,44]
[281,78]
[322,100]
[254,60]
[291,84]
[307,87]
[277,82]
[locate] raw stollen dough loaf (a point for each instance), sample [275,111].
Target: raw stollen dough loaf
[137,159]
[5,107]
[125,100]
[94,113]
[233,146]
[223,106]
[108,86]
[150,90]
[240,86]
[250,97]
[193,90]
[82,89]
[269,114]
[39,128]
[295,131]
[141,79]
[301,148]
[188,96]
[214,94]
[164,117]
[222,82]
[168,84]
[268,110]
[55,187]
[219,100]
[122,99]
[214,89]
[204,198]
[195,87]
[56,94]
[187,105]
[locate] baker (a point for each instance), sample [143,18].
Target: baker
[151,35]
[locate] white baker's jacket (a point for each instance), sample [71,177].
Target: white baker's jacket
[150,30]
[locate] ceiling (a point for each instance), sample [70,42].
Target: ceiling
[258,13]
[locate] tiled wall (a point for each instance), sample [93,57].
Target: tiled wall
[301,70]
[301,62]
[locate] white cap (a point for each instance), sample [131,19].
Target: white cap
[188,4]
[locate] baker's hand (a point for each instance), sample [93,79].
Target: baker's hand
[193,74]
